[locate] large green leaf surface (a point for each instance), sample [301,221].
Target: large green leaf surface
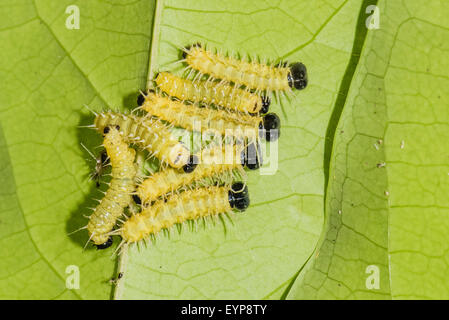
[362,176]
[387,203]
[48,73]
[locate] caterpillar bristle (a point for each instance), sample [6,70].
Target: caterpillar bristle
[77,230]
[211,220]
[120,249]
[179,227]
[191,71]
[227,215]
[88,241]
[115,232]
[87,107]
[124,216]
[91,126]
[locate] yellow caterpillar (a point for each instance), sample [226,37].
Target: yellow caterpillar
[215,161]
[253,75]
[188,205]
[118,195]
[147,133]
[220,94]
[188,116]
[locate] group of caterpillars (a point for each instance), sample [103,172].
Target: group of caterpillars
[220,93]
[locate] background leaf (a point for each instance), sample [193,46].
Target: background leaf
[394,216]
[48,73]
[363,170]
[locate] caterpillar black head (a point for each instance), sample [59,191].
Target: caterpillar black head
[104,157]
[191,164]
[105,245]
[140,99]
[270,126]
[184,52]
[107,129]
[266,101]
[137,199]
[251,156]
[239,196]
[297,77]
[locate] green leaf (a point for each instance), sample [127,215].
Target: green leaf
[386,203]
[340,201]
[48,73]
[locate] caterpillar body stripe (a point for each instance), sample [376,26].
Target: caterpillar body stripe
[253,75]
[188,116]
[214,162]
[118,195]
[188,205]
[220,94]
[149,134]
